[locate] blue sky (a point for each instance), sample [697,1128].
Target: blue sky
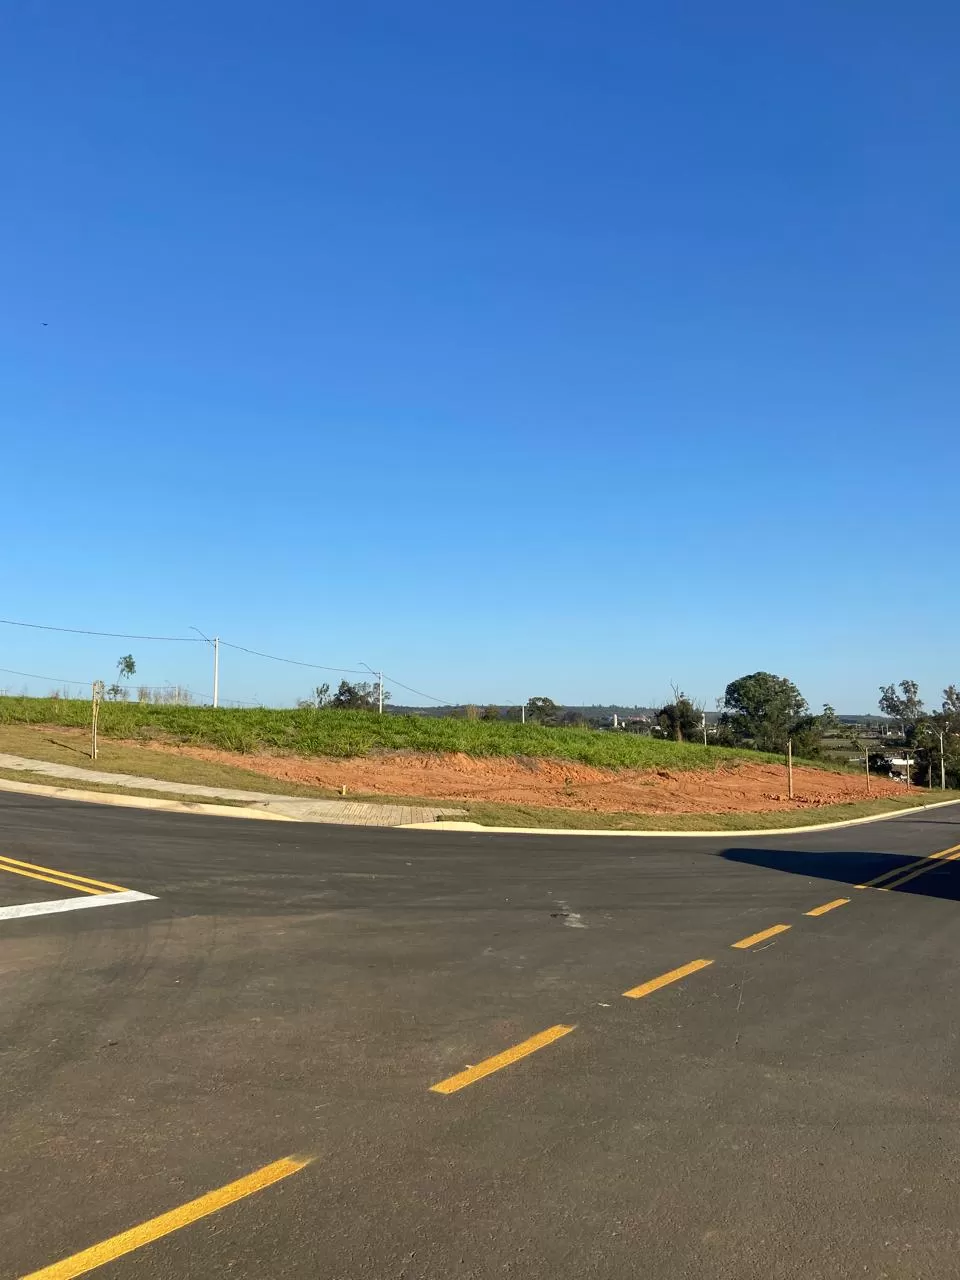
[523,348]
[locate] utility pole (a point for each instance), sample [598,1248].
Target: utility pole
[215,642]
[790,767]
[379,675]
[523,714]
[943,766]
[703,726]
[866,761]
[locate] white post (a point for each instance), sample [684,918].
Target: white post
[380,693]
[790,767]
[216,671]
[943,767]
[703,726]
[523,714]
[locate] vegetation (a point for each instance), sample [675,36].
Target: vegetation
[505,815]
[73,747]
[931,739]
[681,720]
[110,789]
[126,667]
[767,711]
[355,733]
[543,711]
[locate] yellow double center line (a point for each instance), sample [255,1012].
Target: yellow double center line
[900,875]
[64,879]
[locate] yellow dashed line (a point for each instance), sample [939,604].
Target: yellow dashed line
[754,938]
[646,988]
[827,906]
[487,1068]
[80,1263]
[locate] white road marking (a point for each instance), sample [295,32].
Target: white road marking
[73,904]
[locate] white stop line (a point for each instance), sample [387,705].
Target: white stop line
[73,904]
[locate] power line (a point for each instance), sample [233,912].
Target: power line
[256,653]
[112,635]
[445,702]
[32,675]
[315,666]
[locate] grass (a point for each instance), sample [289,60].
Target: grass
[489,814]
[357,733]
[68,747]
[506,815]
[85,784]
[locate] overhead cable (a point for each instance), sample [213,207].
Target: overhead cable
[112,635]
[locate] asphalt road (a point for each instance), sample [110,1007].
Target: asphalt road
[789,1109]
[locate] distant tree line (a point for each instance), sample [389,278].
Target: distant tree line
[356,696]
[931,738]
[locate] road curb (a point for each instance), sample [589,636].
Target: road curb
[475,828]
[141,802]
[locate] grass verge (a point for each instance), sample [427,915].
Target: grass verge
[106,788]
[505,815]
[67,747]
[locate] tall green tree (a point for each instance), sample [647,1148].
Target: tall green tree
[543,711]
[764,710]
[356,697]
[905,706]
[680,720]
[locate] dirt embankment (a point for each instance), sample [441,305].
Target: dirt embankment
[553,784]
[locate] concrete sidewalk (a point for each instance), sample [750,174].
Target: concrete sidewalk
[355,813]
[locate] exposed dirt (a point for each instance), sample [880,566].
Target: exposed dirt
[562,784]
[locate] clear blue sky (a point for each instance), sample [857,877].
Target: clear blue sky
[521,348]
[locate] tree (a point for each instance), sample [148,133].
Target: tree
[319,698]
[934,742]
[490,713]
[951,707]
[905,707]
[126,667]
[764,710]
[543,711]
[574,720]
[356,697]
[680,720]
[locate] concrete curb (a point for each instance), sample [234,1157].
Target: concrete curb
[475,828]
[141,802]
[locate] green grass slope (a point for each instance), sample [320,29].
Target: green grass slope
[356,733]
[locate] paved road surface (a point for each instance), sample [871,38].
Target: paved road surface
[789,1109]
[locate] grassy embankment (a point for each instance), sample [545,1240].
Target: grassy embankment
[33,727]
[356,733]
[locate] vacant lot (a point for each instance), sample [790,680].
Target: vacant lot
[741,786]
[550,778]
